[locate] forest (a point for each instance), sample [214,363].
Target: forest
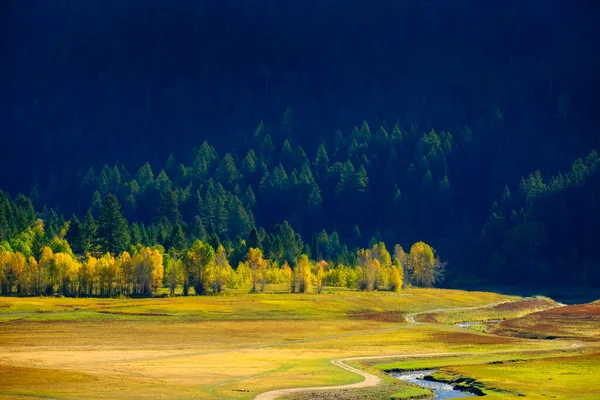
[108,263]
[189,230]
[174,141]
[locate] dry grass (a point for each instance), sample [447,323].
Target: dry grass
[216,346]
[578,321]
[513,309]
[558,378]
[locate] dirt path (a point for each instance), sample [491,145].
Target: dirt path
[371,380]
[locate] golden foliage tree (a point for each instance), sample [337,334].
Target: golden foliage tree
[198,263]
[396,276]
[222,270]
[258,266]
[303,276]
[424,267]
[149,271]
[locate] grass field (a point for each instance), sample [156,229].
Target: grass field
[580,321]
[509,310]
[233,346]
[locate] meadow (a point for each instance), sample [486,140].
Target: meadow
[236,346]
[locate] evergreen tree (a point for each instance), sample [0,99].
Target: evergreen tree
[249,164]
[136,234]
[38,244]
[291,242]
[315,201]
[267,148]
[287,156]
[254,240]
[322,160]
[197,230]
[113,234]
[168,206]
[74,236]
[177,241]
[171,165]
[88,232]
[96,203]
[145,176]
[227,173]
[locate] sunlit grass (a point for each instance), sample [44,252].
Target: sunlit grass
[577,321]
[508,310]
[231,346]
[560,378]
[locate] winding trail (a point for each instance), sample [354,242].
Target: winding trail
[371,380]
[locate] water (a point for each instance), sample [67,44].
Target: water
[441,390]
[470,324]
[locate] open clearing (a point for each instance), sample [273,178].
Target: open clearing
[238,346]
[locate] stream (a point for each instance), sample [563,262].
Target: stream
[471,323]
[441,390]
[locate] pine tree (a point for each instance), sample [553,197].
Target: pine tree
[301,157]
[347,179]
[178,241]
[168,206]
[89,240]
[96,203]
[315,201]
[382,139]
[145,176]
[136,234]
[291,242]
[322,160]
[249,198]
[38,244]
[396,137]
[227,173]
[74,235]
[365,132]
[113,231]
[171,165]
[362,180]
[267,148]
[249,164]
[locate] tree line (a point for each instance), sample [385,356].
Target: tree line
[355,190]
[30,264]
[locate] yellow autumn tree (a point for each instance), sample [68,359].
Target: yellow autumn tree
[88,276]
[198,264]
[288,273]
[303,275]
[31,277]
[106,270]
[424,267]
[276,274]
[126,273]
[67,270]
[174,273]
[396,276]
[241,277]
[148,271]
[258,266]
[222,271]
[12,267]
[45,269]
[321,267]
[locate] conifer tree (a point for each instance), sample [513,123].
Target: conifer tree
[322,160]
[88,231]
[227,173]
[113,232]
